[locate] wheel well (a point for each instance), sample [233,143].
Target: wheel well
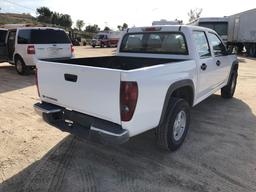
[185,93]
[235,67]
[16,57]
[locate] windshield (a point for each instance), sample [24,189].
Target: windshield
[155,42]
[220,27]
[99,37]
[43,36]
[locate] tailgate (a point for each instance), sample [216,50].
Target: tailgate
[89,90]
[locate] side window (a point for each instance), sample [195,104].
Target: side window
[218,47]
[12,35]
[202,44]
[24,36]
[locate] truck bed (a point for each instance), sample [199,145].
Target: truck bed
[117,62]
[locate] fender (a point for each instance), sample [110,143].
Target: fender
[176,85]
[234,69]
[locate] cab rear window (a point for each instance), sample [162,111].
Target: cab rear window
[42,36]
[155,42]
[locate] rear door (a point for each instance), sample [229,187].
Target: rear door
[90,90]
[3,47]
[51,43]
[206,69]
[221,59]
[11,40]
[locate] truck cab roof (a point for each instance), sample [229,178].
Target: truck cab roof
[3,29]
[40,28]
[167,28]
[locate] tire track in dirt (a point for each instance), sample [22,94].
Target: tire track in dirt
[39,175]
[86,177]
[127,181]
[229,179]
[62,167]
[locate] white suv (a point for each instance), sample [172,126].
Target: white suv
[25,45]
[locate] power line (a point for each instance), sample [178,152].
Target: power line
[17,4]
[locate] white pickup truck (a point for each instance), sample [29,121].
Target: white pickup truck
[157,75]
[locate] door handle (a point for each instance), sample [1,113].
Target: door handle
[203,66]
[218,62]
[70,77]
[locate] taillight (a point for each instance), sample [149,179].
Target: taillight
[128,99]
[36,76]
[31,49]
[72,49]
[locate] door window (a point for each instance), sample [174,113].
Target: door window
[218,47]
[202,44]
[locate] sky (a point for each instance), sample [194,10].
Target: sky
[134,12]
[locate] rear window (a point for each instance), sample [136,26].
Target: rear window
[2,37]
[155,42]
[42,36]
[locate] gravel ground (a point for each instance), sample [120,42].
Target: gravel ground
[219,153]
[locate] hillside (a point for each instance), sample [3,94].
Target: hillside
[14,18]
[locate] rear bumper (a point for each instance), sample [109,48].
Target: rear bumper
[82,125]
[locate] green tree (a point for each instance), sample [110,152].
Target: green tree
[179,21]
[125,26]
[55,18]
[44,14]
[92,28]
[65,21]
[107,28]
[79,24]
[194,14]
[119,27]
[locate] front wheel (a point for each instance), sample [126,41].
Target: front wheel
[20,66]
[171,134]
[228,91]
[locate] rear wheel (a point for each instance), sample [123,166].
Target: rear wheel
[20,66]
[228,91]
[172,133]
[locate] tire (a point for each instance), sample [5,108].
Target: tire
[228,91]
[171,138]
[93,46]
[20,66]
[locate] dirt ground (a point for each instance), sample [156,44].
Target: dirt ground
[219,153]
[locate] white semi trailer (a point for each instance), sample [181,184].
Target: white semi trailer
[242,31]
[218,24]
[237,31]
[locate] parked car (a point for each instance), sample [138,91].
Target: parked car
[24,45]
[107,39]
[75,42]
[158,74]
